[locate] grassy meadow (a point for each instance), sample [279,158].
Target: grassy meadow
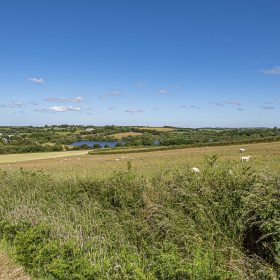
[145,215]
[264,155]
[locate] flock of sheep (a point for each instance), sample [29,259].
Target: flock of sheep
[242,159]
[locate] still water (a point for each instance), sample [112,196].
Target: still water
[91,143]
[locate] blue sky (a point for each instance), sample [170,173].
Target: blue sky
[149,62]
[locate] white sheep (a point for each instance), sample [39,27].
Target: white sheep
[242,150]
[195,170]
[244,159]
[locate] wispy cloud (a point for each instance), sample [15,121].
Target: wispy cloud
[140,84]
[114,93]
[190,106]
[195,107]
[240,109]
[163,91]
[112,108]
[219,104]
[17,105]
[36,80]
[275,70]
[65,99]
[232,102]
[34,103]
[12,105]
[266,107]
[134,111]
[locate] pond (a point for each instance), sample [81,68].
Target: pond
[112,144]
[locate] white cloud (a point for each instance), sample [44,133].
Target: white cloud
[275,70]
[63,108]
[36,80]
[134,111]
[76,99]
[162,91]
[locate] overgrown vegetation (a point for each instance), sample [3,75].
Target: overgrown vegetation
[223,223]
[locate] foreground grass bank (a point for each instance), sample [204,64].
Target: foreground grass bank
[223,223]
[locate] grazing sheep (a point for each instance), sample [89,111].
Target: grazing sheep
[195,170]
[242,150]
[117,159]
[244,159]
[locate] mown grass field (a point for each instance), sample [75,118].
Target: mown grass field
[162,129]
[266,155]
[10,158]
[120,135]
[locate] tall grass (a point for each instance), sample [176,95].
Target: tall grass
[223,223]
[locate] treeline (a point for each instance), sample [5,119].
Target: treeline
[14,149]
[139,149]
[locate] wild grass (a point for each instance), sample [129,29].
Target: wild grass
[223,223]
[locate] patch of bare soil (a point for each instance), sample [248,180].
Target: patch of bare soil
[10,271]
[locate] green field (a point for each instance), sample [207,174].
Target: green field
[10,158]
[144,215]
[265,155]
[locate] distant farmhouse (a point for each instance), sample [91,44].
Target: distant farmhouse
[6,141]
[90,129]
